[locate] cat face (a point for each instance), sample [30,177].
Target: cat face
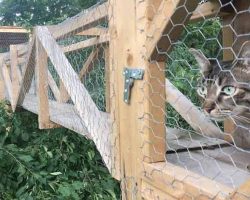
[225,86]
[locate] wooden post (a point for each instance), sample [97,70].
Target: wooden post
[107,78]
[14,75]
[64,96]
[228,40]
[2,84]
[42,88]
[141,123]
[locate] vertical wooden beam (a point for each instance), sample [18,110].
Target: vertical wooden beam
[7,81]
[124,53]
[64,96]
[228,55]
[2,84]
[140,124]
[42,88]
[53,87]
[14,75]
[107,78]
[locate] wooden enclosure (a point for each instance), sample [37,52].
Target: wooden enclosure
[132,138]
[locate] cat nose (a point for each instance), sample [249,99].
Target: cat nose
[208,109]
[209,106]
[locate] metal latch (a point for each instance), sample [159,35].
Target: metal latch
[130,76]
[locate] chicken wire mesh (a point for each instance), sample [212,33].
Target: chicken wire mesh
[197,93]
[207,83]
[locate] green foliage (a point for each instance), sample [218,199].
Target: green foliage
[182,69]
[51,164]
[29,13]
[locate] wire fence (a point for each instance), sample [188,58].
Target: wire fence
[183,132]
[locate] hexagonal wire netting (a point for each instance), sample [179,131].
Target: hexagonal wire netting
[203,91]
[207,88]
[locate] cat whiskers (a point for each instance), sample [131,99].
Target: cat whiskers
[241,118]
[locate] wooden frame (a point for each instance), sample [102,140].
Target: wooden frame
[135,133]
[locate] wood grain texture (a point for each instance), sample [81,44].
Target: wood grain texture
[84,20]
[97,125]
[86,43]
[183,184]
[42,88]
[168,20]
[15,76]
[28,73]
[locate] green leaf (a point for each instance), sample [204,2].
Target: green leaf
[64,191]
[56,173]
[21,191]
[25,158]
[77,185]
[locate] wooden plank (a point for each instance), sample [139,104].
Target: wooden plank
[53,86]
[219,164]
[169,20]
[242,193]
[28,73]
[150,192]
[61,113]
[86,43]
[183,184]
[2,84]
[88,64]
[228,55]
[124,120]
[96,31]
[15,76]
[86,68]
[154,111]
[132,121]
[107,78]
[83,20]
[181,140]
[12,29]
[194,117]
[42,88]
[207,10]
[83,102]
[64,95]
[114,104]
[7,81]
[22,50]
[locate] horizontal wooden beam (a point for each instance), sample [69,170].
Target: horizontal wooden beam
[179,183]
[96,31]
[61,113]
[13,29]
[80,22]
[206,10]
[86,43]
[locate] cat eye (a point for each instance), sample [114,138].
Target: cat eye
[228,90]
[202,91]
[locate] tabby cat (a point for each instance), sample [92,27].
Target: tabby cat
[225,87]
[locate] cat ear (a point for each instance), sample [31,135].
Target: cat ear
[203,62]
[245,53]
